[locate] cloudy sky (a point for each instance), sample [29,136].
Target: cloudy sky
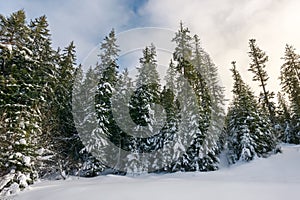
[224,26]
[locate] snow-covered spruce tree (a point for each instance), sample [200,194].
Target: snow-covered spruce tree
[257,67]
[283,119]
[207,155]
[195,158]
[249,131]
[85,119]
[29,78]
[107,128]
[169,103]
[120,106]
[20,105]
[46,76]
[194,121]
[66,140]
[217,100]
[203,149]
[142,107]
[182,55]
[240,144]
[212,100]
[171,77]
[147,88]
[290,81]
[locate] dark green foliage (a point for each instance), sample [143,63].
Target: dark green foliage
[201,155]
[147,88]
[20,103]
[290,81]
[107,81]
[142,108]
[249,132]
[31,87]
[66,142]
[257,66]
[85,118]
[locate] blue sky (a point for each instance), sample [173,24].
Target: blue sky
[224,26]
[85,22]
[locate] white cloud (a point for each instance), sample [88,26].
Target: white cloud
[225,26]
[85,22]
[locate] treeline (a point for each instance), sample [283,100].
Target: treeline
[56,120]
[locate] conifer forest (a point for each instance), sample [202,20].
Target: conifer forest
[48,115]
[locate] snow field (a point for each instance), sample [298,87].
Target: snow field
[277,177]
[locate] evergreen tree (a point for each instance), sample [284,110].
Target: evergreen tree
[143,107]
[208,156]
[20,105]
[212,100]
[29,80]
[45,75]
[183,49]
[216,91]
[169,129]
[107,128]
[188,126]
[85,119]
[169,102]
[67,144]
[171,77]
[249,132]
[202,154]
[290,81]
[257,66]
[147,91]
[120,107]
[189,111]
[284,120]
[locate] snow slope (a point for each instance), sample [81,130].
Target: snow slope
[277,177]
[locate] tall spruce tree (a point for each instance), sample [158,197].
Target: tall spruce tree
[194,121]
[290,81]
[284,126]
[20,106]
[213,99]
[107,127]
[144,110]
[249,132]
[29,79]
[67,144]
[169,102]
[216,92]
[257,67]
[85,119]
[46,76]
[147,91]
[182,55]
[120,106]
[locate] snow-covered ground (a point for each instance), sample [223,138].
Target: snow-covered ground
[277,177]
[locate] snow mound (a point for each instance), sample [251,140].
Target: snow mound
[277,177]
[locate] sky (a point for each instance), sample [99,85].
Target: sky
[224,27]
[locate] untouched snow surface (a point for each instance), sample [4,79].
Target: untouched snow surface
[277,177]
